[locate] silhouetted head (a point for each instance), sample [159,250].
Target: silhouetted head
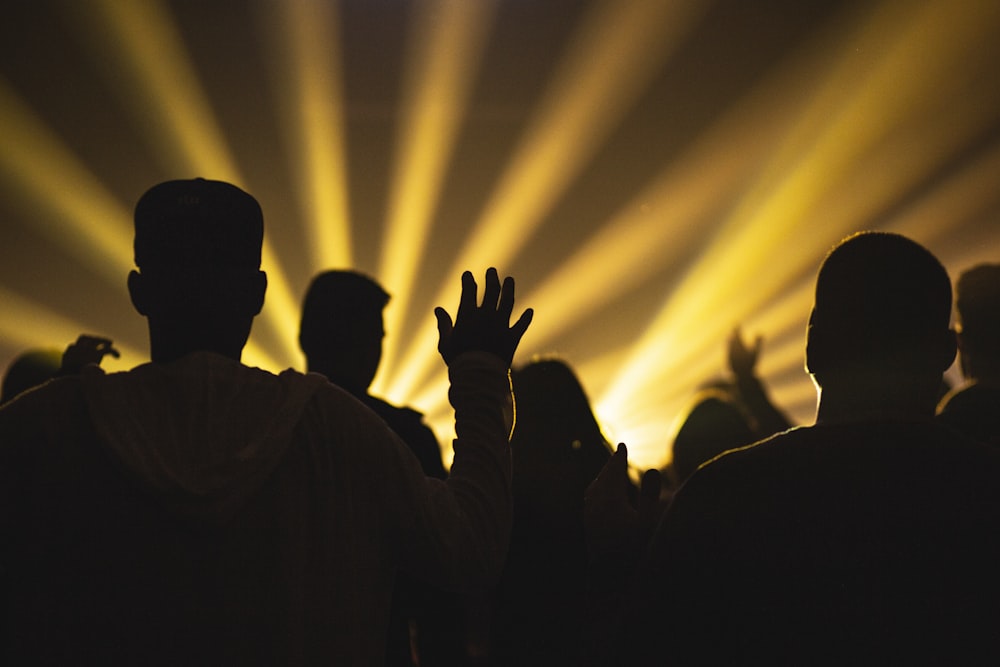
[547,389]
[550,399]
[28,370]
[557,445]
[341,331]
[199,284]
[880,323]
[978,305]
[713,424]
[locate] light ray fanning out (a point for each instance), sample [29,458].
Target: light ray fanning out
[446,44]
[856,106]
[613,55]
[25,323]
[141,43]
[305,49]
[82,216]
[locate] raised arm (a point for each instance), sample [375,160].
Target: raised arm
[742,359]
[458,535]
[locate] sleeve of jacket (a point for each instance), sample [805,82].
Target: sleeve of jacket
[454,533]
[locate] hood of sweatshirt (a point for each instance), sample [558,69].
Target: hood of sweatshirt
[202,433]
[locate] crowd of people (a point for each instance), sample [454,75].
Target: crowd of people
[196,511]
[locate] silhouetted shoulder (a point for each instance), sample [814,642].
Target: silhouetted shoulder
[974,410]
[803,530]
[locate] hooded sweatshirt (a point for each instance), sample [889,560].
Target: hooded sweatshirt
[204,512]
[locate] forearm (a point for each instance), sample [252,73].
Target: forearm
[455,533]
[480,475]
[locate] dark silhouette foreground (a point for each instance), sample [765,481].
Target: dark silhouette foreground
[871,537]
[197,511]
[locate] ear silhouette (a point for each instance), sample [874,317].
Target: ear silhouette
[138,293]
[257,292]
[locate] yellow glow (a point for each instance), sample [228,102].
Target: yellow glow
[139,43]
[305,40]
[613,55]
[446,42]
[960,199]
[82,217]
[30,325]
[852,111]
[873,123]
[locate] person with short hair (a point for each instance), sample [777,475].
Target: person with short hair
[194,510]
[871,537]
[974,406]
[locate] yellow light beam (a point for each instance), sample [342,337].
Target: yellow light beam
[139,46]
[612,56]
[961,198]
[845,122]
[28,325]
[445,46]
[304,41]
[80,215]
[659,225]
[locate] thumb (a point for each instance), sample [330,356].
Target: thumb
[444,327]
[612,474]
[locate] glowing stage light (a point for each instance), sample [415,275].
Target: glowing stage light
[140,43]
[850,114]
[81,216]
[446,42]
[617,49]
[304,37]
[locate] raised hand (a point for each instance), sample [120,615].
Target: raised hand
[742,358]
[86,350]
[484,327]
[615,527]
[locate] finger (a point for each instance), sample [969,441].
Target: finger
[611,475]
[444,326]
[444,323]
[111,350]
[469,290]
[491,292]
[757,344]
[521,326]
[506,306]
[87,342]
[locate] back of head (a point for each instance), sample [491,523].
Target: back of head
[883,305]
[28,370]
[341,330]
[198,249]
[197,224]
[714,424]
[547,390]
[978,306]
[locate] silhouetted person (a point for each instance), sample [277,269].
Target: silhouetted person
[197,511]
[766,418]
[30,369]
[974,406]
[341,335]
[558,449]
[871,537]
[38,366]
[713,424]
